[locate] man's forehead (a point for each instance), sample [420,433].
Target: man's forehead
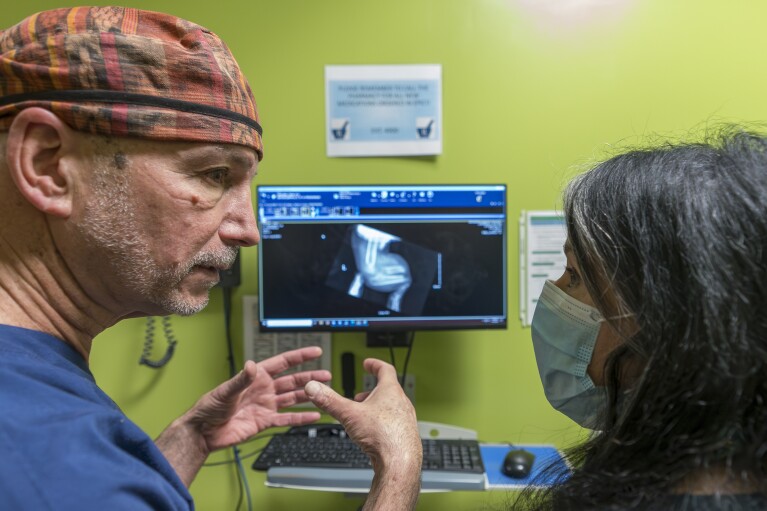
[189,150]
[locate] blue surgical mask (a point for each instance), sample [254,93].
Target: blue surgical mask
[564,332]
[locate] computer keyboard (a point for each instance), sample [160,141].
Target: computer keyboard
[323,455]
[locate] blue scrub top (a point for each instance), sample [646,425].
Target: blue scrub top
[65,444]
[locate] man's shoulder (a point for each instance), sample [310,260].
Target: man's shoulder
[65,451]
[65,442]
[34,381]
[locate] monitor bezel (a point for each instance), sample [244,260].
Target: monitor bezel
[407,325]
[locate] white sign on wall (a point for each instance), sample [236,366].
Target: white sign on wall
[383,110]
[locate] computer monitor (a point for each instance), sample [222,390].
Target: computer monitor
[386,258]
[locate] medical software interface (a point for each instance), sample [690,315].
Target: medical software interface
[382,257]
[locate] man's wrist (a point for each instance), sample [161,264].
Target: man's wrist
[406,460]
[395,486]
[184,447]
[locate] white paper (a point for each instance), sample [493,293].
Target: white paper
[258,345]
[542,235]
[383,110]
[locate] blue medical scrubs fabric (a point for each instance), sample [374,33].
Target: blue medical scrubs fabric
[65,444]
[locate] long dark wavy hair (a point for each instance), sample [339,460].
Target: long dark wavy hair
[678,235]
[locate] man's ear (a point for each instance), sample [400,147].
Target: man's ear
[39,150]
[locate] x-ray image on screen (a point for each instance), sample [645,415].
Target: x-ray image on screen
[384,269]
[382,257]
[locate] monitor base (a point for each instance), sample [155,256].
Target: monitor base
[387,339]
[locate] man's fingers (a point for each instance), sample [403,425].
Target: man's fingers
[238,382]
[292,382]
[295,419]
[326,399]
[284,361]
[291,398]
[361,396]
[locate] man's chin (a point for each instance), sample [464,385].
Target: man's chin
[183,305]
[188,295]
[190,310]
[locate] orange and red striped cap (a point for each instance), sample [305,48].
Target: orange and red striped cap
[127,72]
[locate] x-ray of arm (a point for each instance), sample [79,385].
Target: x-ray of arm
[377,268]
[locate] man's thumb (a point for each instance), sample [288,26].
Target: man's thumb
[324,398]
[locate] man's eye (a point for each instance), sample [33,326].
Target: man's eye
[575,279]
[218,176]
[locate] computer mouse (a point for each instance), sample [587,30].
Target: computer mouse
[518,463]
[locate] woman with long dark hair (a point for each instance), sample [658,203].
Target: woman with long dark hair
[656,334]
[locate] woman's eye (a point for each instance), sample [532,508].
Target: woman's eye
[575,279]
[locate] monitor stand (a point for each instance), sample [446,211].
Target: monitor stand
[385,339]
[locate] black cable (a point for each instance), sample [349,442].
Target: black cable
[227,318]
[249,455]
[227,292]
[244,486]
[229,462]
[146,353]
[410,342]
[390,337]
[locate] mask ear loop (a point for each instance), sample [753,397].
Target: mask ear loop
[620,330]
[619,316]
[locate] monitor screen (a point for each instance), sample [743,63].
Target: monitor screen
[385,258]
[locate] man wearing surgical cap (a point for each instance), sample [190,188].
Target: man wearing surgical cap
[129,142]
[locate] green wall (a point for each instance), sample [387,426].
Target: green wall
[533,90]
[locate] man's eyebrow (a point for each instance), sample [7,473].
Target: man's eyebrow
[241,160]
[233,158]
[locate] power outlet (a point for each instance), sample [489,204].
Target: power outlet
[369,382]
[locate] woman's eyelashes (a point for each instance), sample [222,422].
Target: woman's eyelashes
[574,278]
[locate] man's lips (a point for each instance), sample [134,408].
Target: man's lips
[208,269]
